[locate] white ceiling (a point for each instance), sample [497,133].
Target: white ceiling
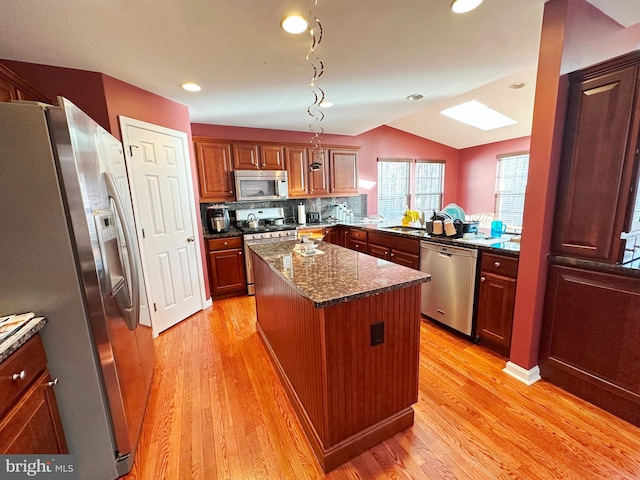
[253,74]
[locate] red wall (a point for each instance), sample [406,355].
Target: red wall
[380,142]
[477,173]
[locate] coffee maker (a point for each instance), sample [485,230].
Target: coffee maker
[218,219]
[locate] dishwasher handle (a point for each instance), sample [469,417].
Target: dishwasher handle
[445,254]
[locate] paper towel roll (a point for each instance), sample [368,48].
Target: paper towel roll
[302,216]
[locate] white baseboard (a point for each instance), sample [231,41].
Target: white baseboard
[528,377]
[207,303]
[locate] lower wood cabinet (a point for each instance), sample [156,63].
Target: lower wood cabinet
[30,421]
[496,301]
[590,337]
[396,249]
[227,274]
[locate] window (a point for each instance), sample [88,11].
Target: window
[404,183]
[429,185]
[511,182]
[394,187]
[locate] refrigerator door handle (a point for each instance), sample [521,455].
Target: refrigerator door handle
[131,312]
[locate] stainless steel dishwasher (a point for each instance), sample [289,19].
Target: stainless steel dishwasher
[448,297]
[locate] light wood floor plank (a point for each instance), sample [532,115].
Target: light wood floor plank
[217,410]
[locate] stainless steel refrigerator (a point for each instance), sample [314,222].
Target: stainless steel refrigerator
[68,251]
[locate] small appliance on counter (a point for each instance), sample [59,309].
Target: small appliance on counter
[218,219]
[314,217]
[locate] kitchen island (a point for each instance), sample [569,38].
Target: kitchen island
[342,329]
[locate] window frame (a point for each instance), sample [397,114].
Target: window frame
[502,193]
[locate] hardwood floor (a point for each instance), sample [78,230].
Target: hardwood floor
[217,410]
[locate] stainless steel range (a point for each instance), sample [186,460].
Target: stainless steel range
[270,228]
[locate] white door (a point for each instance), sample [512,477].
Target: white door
[164,206]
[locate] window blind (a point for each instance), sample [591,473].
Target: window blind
[429,185]
[511,182]
[394,187]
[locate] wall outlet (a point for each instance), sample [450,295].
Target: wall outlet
[377,334]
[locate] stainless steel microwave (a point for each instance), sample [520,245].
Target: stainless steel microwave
[261,185]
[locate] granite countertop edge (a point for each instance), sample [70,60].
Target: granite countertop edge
[630,270]
[20,339]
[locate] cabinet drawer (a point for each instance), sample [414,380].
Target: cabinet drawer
[507,266]
[358,246]
[358,234]
[224,243]
[397,242]
[30,359]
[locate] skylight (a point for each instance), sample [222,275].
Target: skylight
[478,115]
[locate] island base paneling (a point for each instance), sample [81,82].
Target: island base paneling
[348,395]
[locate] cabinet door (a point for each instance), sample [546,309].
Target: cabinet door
[590,336]
[343,171]
[245,157]
[357,245]
[331,235]
[227,271]
[378,251]
[297,168]
[271,157]
[406,259]
[7,91]
[318,178]
[596,167]
[33,425]
[495,311]
[215,173]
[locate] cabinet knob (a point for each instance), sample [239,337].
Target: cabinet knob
[19,376]
[496,264]
[391,254]
[482,279]
[190,239]
[230,191]
[239,253]
[53,383]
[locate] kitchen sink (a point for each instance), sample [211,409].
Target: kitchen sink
[399,228]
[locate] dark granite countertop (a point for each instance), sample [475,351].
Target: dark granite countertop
[339,275]
[14,342]
[233,232]
[631,269]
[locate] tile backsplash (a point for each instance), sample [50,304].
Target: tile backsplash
[357,204]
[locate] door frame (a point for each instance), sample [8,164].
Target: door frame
[195,209]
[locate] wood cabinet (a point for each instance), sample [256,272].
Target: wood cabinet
[358,240]
[215,170]
[302,181]
[396,249]
[30,421]
[596,186]
[227,273]
[258,157]
[12,87]
[590,338]
[496,301]
[343,171]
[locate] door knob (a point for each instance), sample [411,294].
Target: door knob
[190,239]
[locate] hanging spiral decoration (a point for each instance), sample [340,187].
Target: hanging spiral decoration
[314,110]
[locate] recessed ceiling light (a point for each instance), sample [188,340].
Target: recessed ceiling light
[294,24]
[326,104]
[464,6]
[516,85]
[478,115]
[415,96]
[191,87]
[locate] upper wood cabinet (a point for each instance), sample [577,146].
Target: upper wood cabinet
[596,191]
[258,157]
[215,170]
[302,181]
[343,171]
[12,87]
